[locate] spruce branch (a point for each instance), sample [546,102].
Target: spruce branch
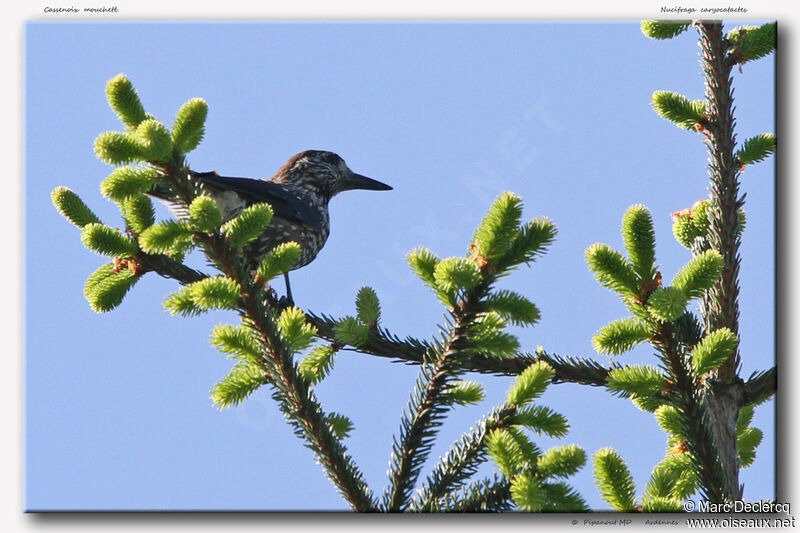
[530,384]
[748,43]
[460,463]
[713,350]
[760,387]
[236,341]
[138,213]
[153,141]
[620,336]
[528,244]
[672,478]
[688,398]
[124,101]
[756,149]
[636,380]
[304,412]
[699,274]
[664,29]
[527,492]
[278,336]
[660,504]
[290,390]
[613,270]
[426,410]
[279,260]
[128,181]
[666,304]
[317,364]
[168,267]
[298,402]
[189,126]
[170,237]
[248,225]
[204,214]
[464,285]
[721,302]
[745,417]
[671,421]
[746,445]
[465,393]
[562,461]
[242,381]
[409,350]
[710,407]
[72,207]
[684,113]
[382,343]
[107,286]
[542,420]
[491,495]
[107,241]
[495,494]
[340,424]
[660,318]
[640,241]
[493,237]
[562,498]
[349,331]
[614,480]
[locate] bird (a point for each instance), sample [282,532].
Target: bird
[299,193]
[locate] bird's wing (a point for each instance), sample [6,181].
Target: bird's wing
[284,204]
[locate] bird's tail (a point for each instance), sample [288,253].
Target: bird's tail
[163,191]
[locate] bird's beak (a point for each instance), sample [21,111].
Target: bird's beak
[356,181]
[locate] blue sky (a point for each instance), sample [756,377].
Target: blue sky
[117,415]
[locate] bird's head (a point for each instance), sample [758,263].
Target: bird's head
[324,174]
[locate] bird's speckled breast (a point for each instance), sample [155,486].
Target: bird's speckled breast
[279,230]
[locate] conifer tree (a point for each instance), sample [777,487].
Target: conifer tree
[691,386]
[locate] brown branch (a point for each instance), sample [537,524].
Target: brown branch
[382,343]
[169,268]
[721,303]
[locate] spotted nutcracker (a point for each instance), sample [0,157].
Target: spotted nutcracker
[298,193]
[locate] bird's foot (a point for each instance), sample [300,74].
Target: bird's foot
[288,297]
